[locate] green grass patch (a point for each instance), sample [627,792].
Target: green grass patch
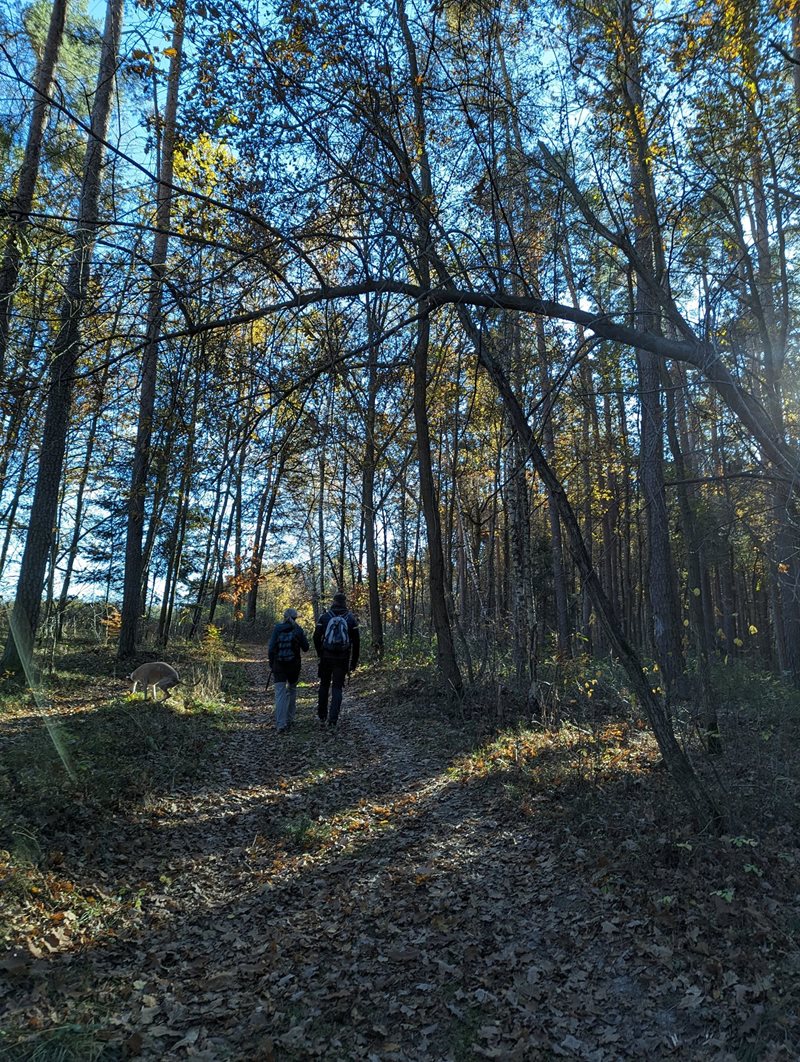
[303,833]
[234,679]
[66,1043]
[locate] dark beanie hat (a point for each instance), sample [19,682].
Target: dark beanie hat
[339,598]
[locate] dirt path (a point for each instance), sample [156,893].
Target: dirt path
[351,896]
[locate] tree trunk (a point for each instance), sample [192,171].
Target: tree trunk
[704,646]
[25,616]
[343,519]
[18,214]
[217,514]
[368,491]
[661,577]
[445,647]
[268,502]
[321,519]
[72,550]
[10,515]
[219,582]
[674,757]
[422,207]
[796,55]
[132,589]
[557,548]
[176,535]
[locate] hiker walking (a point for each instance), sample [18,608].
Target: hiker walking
[287,641]
[337,641]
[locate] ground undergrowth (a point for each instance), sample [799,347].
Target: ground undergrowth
[435,881]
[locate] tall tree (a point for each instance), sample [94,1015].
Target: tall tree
[649,249]
[66,352]
[422,200]
[131,596]
[19,213]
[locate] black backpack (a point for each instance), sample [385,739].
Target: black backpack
[286,648]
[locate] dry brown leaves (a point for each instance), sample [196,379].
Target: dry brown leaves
[367,896]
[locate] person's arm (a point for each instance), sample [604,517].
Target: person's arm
[303,640]
[318,633]
[355,644]
[273,645]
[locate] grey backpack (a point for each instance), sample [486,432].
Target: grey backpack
[337,635]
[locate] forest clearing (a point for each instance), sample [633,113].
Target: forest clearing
[421,885]
[455,345]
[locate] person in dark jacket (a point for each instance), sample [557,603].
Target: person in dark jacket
[287,641]
[338,643]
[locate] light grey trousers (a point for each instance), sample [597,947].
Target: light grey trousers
[285,702]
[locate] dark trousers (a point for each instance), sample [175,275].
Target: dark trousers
[331,671]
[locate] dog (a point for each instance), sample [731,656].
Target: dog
[157,674]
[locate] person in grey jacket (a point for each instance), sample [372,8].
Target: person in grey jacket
[285,646]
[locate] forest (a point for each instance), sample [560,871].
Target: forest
[485,314]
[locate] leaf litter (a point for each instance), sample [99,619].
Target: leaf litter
[375,895]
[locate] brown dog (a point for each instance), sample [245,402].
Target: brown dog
[157,674]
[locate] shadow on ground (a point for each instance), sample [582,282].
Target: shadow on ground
[363,896]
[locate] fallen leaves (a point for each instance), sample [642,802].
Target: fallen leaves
[373,898]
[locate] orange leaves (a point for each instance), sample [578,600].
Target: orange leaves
[238,586]
[52,913]
[112,623]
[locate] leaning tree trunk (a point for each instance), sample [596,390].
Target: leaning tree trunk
[674,756]
[132,592]
[25,616]
[19,213]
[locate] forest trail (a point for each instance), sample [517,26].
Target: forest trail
[358,896]
[342,896]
